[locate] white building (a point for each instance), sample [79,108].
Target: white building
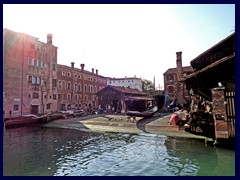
[131,82]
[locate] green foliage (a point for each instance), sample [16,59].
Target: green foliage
[148,86]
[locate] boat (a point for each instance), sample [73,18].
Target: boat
[148,113]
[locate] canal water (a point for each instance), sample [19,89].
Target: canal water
[44,151]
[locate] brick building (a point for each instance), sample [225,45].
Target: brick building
[172,85]
[33,82]
[77,87]
[29,74]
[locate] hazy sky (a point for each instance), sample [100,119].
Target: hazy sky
[126,39]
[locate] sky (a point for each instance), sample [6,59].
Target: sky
[124,39]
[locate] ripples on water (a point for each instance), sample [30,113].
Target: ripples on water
[64,152]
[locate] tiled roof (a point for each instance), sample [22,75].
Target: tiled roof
[174,70]
[125,90]
[69,68]
[187,69]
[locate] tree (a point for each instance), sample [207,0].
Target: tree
[148,86]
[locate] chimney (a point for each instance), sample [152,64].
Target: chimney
[96,72]
[82,66]
[72,64]
[179,64]
[92,70]
[49,38]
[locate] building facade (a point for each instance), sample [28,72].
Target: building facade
[77,87]
[131,82]
[33,82]
[29,74]
[173,88]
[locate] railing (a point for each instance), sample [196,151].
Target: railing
[230,110]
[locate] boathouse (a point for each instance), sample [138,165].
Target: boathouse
[119,97]
[214,80]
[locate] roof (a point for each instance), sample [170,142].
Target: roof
[174,70]
[139,98]
[126,78]
[213,47]
[69,68]
[124,90]
[208,67]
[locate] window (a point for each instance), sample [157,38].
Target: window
[54,67]
[35,95]
[93,97]
[15,107]
[63,73]
[90,88]
[86,98]
[170,89]
[170,77]
[54,96]
[34,80]
[38,80]
[79,87]
[85,88]
[54,83]
[30,79]
[69,97]
[68,74]
[68,86]
[59,84]
[59,96]
[39,63]
[48,106]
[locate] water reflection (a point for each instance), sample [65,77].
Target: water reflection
[64,152]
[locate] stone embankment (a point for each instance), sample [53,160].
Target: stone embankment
[158,124]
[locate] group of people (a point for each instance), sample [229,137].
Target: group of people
[113,107]
[197,104]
